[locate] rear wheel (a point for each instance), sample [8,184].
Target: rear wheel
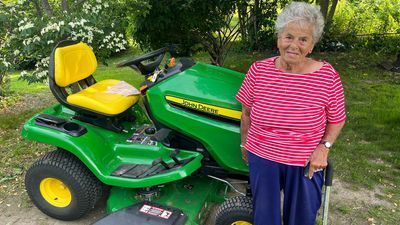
[61,186]
[235,211]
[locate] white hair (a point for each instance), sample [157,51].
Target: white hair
[301,12]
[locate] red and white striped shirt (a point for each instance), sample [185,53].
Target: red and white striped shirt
[289,112]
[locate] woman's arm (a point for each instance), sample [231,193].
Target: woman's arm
[319,158]
[244,128]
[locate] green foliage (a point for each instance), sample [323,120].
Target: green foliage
[9,101]
[364,24]
[30,38]
[259,31]
[4,85]
[180,22]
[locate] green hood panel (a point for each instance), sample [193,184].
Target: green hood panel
[209,86]
[206,84]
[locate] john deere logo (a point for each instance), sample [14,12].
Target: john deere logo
[224,112]
[199,106]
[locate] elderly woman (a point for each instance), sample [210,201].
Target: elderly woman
[293,111]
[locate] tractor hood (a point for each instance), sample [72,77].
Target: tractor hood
[206,89]
[199,103]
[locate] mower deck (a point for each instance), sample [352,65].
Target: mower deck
[192,197]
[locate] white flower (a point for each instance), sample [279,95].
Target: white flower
[16,52]
[24,73]
[41,74]
[27,41]
[71,24]
[26,26]
[21,22]
[45,62]
[36,38]
[6,64]
[50,42]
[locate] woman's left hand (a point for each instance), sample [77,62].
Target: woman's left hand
[318,160]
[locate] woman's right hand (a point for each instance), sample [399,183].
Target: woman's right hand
[244,129]
[244,155]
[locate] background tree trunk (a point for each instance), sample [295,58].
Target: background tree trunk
[331,11]
[64,5]
[328,8]
[243,15]
[47,8]
[324,7]
[38,9]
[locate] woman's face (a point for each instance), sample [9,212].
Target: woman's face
[295,42]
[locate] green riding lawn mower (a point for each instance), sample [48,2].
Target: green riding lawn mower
[164,155]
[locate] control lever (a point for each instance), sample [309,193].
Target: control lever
[158,161]
[173,156]
[161,135]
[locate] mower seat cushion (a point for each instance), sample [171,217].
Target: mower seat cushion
[73,63]
[96,98]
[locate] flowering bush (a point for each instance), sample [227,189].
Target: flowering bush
[29,39]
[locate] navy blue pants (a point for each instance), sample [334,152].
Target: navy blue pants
[302,196]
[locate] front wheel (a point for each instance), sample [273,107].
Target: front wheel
[61,186]
[235,211]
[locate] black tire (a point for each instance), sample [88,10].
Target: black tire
[61,170]
[236,210]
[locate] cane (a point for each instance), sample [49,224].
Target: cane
[328,185]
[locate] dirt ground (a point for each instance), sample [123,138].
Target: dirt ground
[346,206]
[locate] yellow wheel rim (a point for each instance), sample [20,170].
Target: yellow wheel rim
[241,223]
[55,192]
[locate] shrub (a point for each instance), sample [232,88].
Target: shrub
[29,38]
[182,22]
[368,24]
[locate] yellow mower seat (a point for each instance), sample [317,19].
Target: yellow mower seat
[75,63]
[97,99]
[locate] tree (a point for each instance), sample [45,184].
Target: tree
[203,24]
[218,38]
[328,8]
[257,21]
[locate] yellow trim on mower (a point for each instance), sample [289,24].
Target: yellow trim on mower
[215,110]
[55,192]
[240,222]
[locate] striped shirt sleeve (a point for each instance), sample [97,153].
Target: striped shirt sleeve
[336,112]
[245,94]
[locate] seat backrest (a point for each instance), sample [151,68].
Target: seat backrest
[73,63]
[70,70]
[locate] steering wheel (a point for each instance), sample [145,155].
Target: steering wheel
[149,68]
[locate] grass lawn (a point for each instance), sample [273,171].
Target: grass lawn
[366,155]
